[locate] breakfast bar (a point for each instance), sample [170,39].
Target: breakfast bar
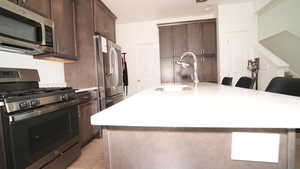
[209,126]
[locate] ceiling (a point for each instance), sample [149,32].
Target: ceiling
[144,10]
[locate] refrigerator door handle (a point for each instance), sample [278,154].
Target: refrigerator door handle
[98,51]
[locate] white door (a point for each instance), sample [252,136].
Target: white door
[147,66]
[238,51]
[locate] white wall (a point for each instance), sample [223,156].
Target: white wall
[279,31]
[278,16]
[51,73]
[238,42]
[144,68]
[236,34]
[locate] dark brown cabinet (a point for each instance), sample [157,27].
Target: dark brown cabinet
[195,36]
[209,38]
[104,21]
[179,35]
[42,7]
[64,23]
[166,42]
[89,20]
[198,37]
[88,106]
[110,27]
[166,66]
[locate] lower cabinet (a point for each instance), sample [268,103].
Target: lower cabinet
[87,109]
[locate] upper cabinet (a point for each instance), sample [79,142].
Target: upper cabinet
[42,7]
[105,21]
[65,48]
[209,38]
[194,38]
[64,28]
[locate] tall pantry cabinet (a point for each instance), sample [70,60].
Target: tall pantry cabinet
[198,37]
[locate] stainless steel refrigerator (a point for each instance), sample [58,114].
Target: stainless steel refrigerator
[109,70]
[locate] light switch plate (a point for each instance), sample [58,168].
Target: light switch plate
[259,147]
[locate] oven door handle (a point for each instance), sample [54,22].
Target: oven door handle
[41,111]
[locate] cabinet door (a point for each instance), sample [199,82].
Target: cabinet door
[180,40]
[64,22]
[42,7]
[85,127]
[94,110]
[194,38]
[166,69]
[209,69]
[209,38]
[104,21]
[99,17]
[166,42]
[87,131]
[110,27]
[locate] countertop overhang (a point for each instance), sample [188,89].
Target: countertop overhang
[207,106]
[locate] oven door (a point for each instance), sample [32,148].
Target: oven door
[41,133]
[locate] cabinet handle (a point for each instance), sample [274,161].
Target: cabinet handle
[57,45]
[86,97]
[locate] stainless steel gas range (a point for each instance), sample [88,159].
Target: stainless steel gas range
[39,127]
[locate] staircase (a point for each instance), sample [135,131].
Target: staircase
[279,34]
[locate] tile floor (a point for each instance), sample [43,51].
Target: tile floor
[91,157]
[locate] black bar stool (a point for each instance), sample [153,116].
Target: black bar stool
[284,85]
[227,81]
[245,82]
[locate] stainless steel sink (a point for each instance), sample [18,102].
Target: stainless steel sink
[174,88]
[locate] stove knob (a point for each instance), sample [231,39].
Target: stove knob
[23,105]
[34,103]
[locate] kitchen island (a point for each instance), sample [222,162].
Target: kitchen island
[201,128]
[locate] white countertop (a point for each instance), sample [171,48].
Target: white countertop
[208,106]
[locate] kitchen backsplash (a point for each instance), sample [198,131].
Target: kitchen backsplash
[51,73]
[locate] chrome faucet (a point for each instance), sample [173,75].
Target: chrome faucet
[186,65]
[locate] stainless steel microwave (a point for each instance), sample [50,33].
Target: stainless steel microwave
[23,31]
